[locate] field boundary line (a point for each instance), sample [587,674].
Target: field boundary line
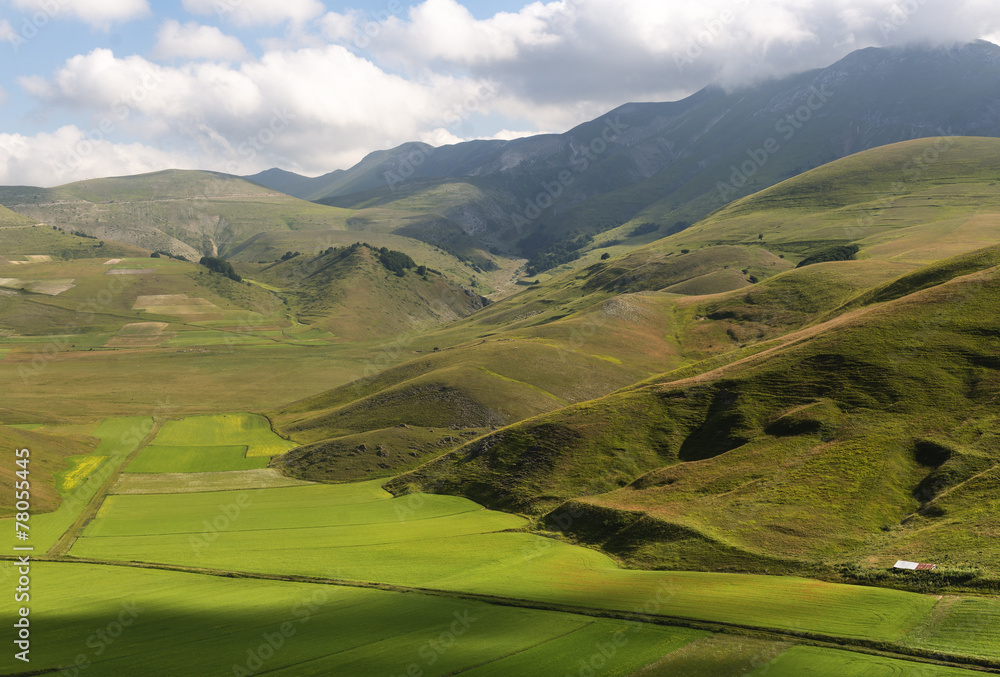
[857,645]
[66,541]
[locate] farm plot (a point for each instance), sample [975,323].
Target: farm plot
[251,430]
[119,436]
[80,468]
[221,626]
[969,626]
[138,334]
[449,543]
[808,661]
[185,483]
[47,287]
[167,459]
[179,305]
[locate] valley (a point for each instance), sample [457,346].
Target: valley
[330,426]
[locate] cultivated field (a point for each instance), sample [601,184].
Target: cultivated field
[365,535]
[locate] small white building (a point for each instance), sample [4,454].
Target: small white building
[914,566]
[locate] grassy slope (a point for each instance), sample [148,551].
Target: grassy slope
[349,294]
[892,357]
[848,444]
[49,455]
[185,212]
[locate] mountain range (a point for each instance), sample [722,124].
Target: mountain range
[671,164]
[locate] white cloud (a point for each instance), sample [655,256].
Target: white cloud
[98,14]
[257,12]
[558,63]
[420,74]
[446,30]
[51,159]
[194,41]
[340,28]
[311,109]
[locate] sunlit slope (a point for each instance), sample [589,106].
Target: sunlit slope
[914,202]
[9,218]
[349,293]
[189,213]
[845,438]
[47,457]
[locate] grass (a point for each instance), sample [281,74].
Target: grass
[167,459]
[714,656]
[965,626]
[813,661]
[799,459]
[118,437]
[364,535]
[161,205]
[80,468]
[221,430]
[185,482]
[318,630]
[49,455]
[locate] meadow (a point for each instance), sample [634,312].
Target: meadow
[113,621]
[118,438]
[110,620]
[365,535]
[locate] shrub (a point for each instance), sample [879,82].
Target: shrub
[644,229]
[221,266]
[394,261]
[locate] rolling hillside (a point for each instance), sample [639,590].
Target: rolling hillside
[186,213]
[351,293]
[824,420]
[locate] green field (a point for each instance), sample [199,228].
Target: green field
[252,430]
[166,459]
[367,536]
[694,430]
[119,436]
[215,626]
[815,662]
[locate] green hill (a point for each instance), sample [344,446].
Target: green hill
[855,442]
[351,293]
[188,213]
[811,422]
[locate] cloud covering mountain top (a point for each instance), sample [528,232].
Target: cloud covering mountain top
[241,85]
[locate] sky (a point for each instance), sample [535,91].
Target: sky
[93,88]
